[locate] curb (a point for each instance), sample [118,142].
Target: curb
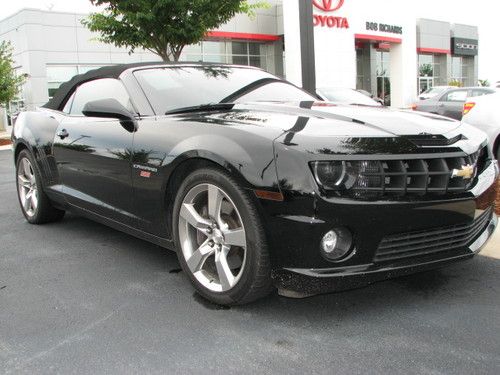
[5,142]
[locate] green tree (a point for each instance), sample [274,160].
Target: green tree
[426,70]
[10,82]
[483,82]
[163,27]
[455,83]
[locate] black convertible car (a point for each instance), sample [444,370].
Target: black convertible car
[256,183]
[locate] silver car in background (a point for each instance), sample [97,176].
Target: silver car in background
[484,113]
[450,103]
[433,91]
[346,96]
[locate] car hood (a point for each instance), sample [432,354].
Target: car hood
[323,127]
[329,119]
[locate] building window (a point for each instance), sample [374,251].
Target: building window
[228,52]
[456,69]
[360,72]
[426,65]
[426,71]
[430,69]
[383,59]
[462,70]
[58,74]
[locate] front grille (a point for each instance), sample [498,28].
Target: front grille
[412,244]
[415,176]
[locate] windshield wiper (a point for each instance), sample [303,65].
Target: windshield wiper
[201,107]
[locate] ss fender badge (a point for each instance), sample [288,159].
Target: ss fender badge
[145,171]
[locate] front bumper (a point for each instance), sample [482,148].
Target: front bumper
[299,267]
[322,280]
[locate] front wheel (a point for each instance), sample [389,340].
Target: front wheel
[220,239]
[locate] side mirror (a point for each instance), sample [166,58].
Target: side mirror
[111,108]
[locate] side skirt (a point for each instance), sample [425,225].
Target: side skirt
[168,244]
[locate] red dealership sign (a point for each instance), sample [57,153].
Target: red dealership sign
[328,5]
[327,20]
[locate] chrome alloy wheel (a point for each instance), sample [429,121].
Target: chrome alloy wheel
[212,237]
[27,188]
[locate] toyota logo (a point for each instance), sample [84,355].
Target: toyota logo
[328,5]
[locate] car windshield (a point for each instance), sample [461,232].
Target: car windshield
[347,96]
[173,88]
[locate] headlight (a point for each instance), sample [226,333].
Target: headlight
[345,175]
[332,175]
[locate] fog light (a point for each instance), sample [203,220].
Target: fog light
[329,242]
[336,244]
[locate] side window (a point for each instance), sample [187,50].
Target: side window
[69,103]
[104,88]
[455,96]
[479,92]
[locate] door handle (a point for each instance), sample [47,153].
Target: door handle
[62,133]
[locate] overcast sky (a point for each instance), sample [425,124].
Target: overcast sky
[482,13]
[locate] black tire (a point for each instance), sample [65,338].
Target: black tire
[255,280]
[497,155]
[44,212]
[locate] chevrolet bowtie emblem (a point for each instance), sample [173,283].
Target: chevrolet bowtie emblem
[466,172]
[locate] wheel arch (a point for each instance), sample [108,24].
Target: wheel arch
[188,163]
[496,145]
[18,147]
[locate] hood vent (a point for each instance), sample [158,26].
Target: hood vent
[430,140]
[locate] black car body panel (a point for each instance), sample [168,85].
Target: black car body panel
[124,178]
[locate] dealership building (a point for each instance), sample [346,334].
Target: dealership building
[357,44]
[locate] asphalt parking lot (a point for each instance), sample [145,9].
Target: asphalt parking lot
[78,297]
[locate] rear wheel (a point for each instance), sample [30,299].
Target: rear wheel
[35,204]
[220,239]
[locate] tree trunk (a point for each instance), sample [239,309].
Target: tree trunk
[170,53]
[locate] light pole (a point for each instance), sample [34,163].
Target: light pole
[308,61]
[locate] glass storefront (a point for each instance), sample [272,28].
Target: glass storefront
[383,59]
[426,71]
[431,71]
[373,70]
[360,70]
[231,52]
[462,70]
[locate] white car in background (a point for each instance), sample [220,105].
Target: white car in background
[483,112]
